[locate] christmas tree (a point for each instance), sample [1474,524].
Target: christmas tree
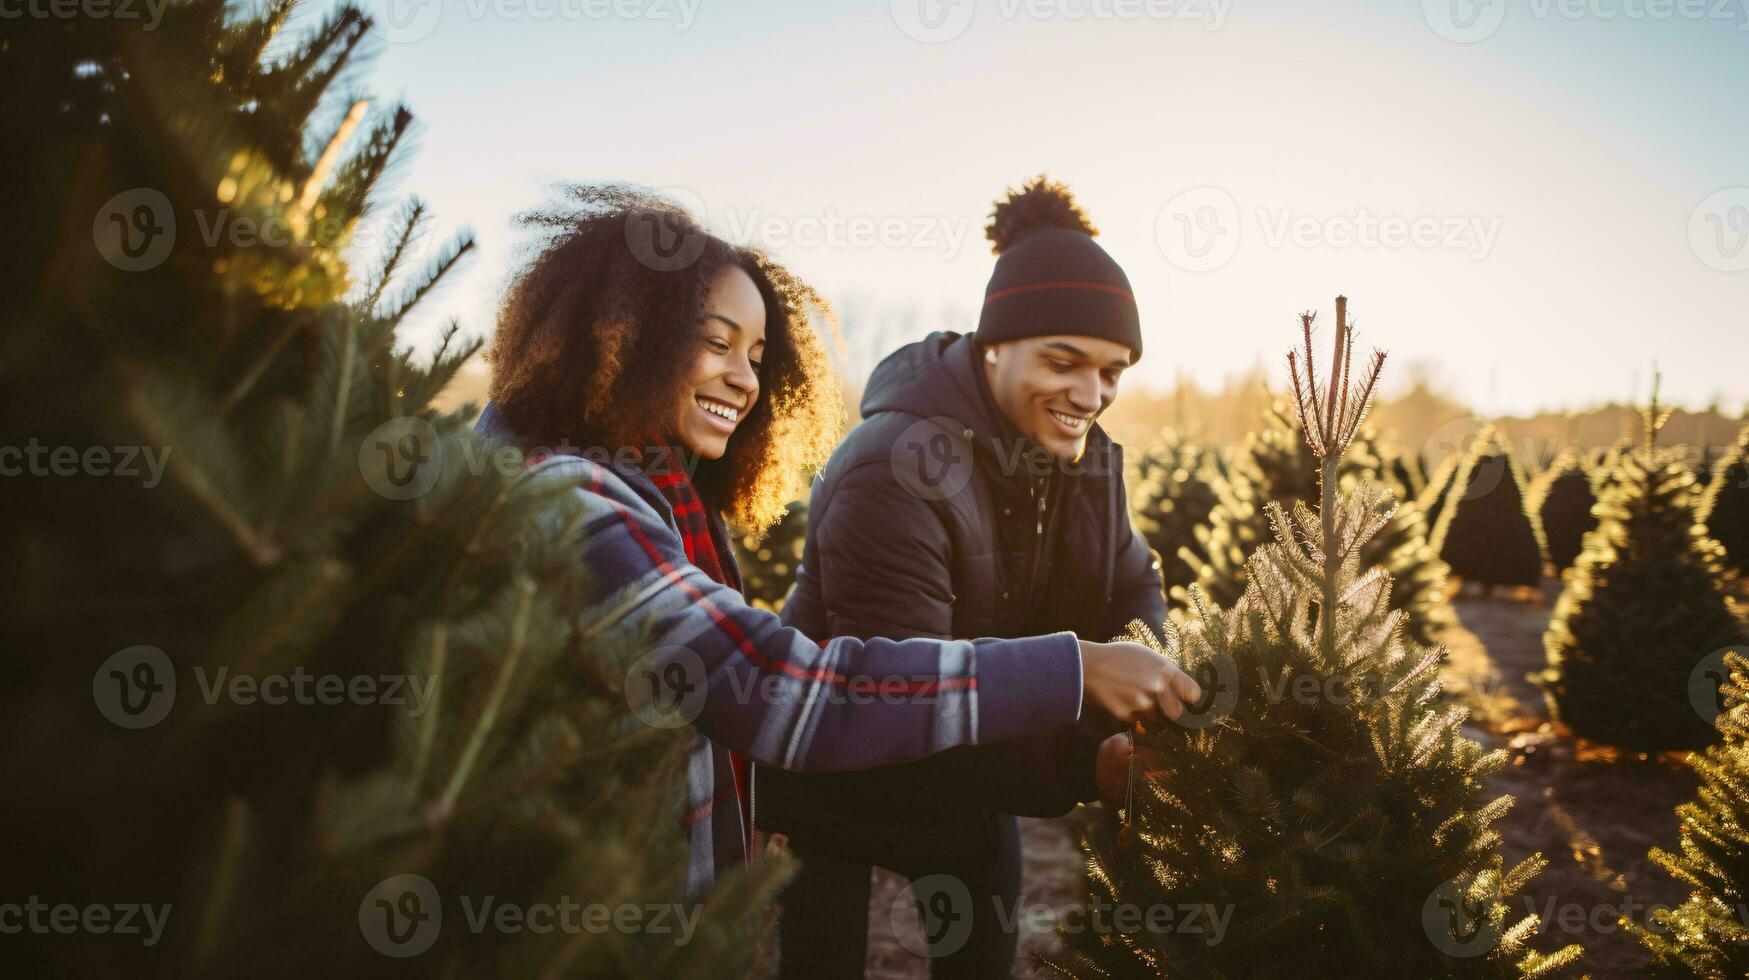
[301,662]
[1484,532]
[1277,466]
[1606,471]
[1724,511]
[1707,936]
[1648,601]
[1438,487]
[1321,807]
[1172,498]
[1402,473]
[1562,498]
[768,561]
[1235,526]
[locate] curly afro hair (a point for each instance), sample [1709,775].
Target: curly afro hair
[596,330]
[1040,203]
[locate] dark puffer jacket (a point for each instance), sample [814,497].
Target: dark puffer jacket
[926,522]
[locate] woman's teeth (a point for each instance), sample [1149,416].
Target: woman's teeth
[719,409]
[1072,421]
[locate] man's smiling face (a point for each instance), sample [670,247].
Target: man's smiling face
[1052,388]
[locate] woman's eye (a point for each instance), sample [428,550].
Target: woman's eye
[757,364]
[719,345]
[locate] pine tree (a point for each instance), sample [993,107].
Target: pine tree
[1402,472]
[1707,936]
[1323,799]
[315,518]
[1648,600]
[1235,526]
[1278,466]
[1438,487]
[1724,511]
[1485,532]
[769,561]
[1173,496]
[1606,472]
[1562,498]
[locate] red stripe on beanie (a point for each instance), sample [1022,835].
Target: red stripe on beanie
[1103,287]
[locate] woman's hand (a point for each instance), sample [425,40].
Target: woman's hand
[1132,683]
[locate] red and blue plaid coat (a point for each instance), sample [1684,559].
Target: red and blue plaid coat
[764,690]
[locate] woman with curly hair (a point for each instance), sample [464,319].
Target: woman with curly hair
[690,370]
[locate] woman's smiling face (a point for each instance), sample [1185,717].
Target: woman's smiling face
[723,378]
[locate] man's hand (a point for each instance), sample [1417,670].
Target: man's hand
[1132,683]
[1111,769]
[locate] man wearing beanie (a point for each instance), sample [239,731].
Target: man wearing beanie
[979,497]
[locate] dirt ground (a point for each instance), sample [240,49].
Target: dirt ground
[1591,812]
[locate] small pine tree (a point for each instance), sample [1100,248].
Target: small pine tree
[317,521]
[768,562]
[1724,511]
[1562,497]
[1438,487]
[1172,499]
[1348,828]
[1485,533]
[1606,471]
[1704,462]
[1277,466]
[1648,600]
[1403,473]
[1236,525]
[1707,936]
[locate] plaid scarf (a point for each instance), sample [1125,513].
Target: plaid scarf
[695,524]
[701,550]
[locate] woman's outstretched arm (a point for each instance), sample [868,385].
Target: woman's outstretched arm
[766,691]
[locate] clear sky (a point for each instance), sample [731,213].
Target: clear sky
[1537,197]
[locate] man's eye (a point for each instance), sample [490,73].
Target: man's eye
[1058,366]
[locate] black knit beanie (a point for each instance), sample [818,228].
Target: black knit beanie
[1051,276]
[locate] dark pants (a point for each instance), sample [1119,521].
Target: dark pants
[825,913]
